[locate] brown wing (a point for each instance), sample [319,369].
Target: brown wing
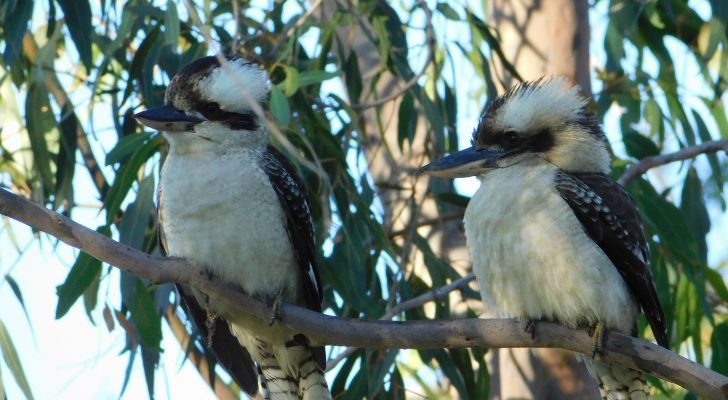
[225,346]
[610,218]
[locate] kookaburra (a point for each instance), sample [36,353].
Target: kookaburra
[550,235]
[230,202]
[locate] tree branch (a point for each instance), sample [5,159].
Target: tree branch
[322,329]
[648,163]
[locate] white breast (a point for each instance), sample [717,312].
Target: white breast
[532,257]
[220,210]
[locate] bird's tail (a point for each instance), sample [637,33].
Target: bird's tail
[617,382]
[292,372]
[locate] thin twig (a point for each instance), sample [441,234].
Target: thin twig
[322,329]
[648,163]
[236,35]
[430,41]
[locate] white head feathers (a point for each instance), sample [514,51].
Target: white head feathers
[235,85]
[546,102]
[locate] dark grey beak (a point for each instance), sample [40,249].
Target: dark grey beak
[468,162]
[167,119]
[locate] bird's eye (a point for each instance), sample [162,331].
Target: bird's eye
[512,138]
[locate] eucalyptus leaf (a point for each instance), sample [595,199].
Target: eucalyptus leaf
[12,360]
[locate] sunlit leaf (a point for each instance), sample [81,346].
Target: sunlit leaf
[306,78]
[279,106]
[291,83]
[10,355]
[39,120]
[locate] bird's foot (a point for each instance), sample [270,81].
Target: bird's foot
[277,303]
[531,327]
[210,325]
[596,331]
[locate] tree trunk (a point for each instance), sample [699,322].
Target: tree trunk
[541,38]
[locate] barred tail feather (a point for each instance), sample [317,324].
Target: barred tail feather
[617,382]
[277,385]
[302,364]
[290,371]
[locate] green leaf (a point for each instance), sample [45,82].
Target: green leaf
[90,297]
[125,146]
[39,120]
[78,20]
[705,136]
[126,175]
[82,274]
[14,28]
[719,343]
[716,281]
[407,121]
[66,160]
[19,295]
[171,25]
[638,146]
[313,77]
[279,106]
[352,77]
[447,11]
[150,361]
[663,218]
[693,205]
[493,43]
[291,83]
[10,355]
[653,116]
[133,227]
[145,317]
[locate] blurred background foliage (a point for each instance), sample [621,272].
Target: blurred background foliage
[363,92]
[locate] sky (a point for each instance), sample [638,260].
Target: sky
[72,358]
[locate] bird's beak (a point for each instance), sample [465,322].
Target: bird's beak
[167,119]
[464,163]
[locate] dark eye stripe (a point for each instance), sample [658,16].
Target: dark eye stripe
[212,111]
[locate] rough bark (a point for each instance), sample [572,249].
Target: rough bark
[541,38]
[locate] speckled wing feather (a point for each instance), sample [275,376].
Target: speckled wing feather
[294,202]
[227,349]
[610,218]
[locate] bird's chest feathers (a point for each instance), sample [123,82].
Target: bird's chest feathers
[222,212]
[532,256]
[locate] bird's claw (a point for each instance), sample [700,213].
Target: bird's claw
[531,328]
[277,303]
[596,331]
